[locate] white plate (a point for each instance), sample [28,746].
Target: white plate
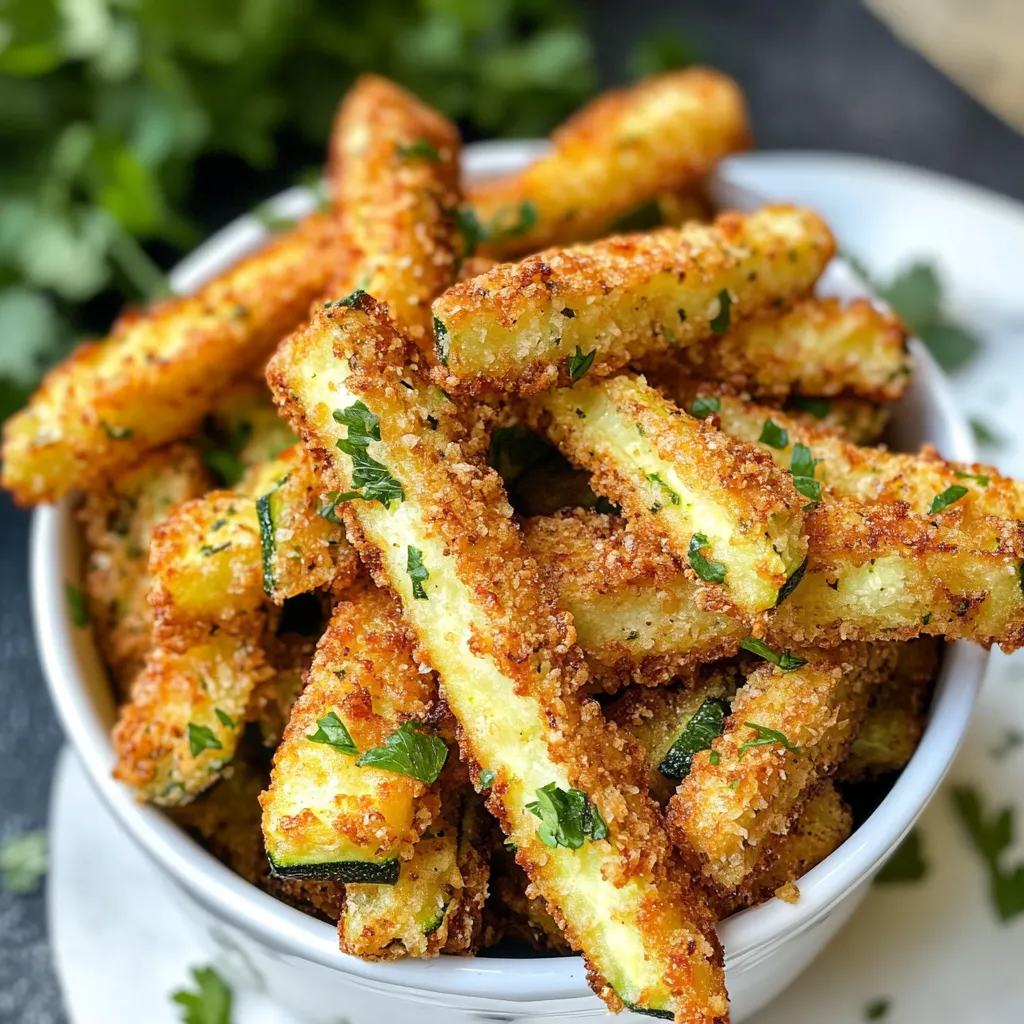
[934,949]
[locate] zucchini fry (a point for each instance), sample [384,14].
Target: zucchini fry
[723,506]
[119,523]
[618,152]
[527,327]
[856,420]
[818,347]
[788,728]
[871,475]
[395,162]
[325,816]
[160,371]
[430,523]
[895,721]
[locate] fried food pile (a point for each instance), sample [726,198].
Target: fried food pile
[566,599]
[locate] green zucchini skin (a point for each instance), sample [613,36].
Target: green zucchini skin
[384,872]
[646,1012]
[268,541]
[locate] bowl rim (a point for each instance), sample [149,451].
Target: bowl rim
[69,659]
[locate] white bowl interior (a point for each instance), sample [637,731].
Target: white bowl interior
[82,695]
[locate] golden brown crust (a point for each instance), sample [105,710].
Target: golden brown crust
[161,370]
[729,807]
[617,152]
[515,328]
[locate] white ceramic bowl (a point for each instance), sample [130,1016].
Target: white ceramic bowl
[297,957]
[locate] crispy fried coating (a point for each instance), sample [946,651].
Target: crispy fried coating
[186,713]
[709,499]
[823,826]
[896,719]
[221,556]
[856,420]
[321,807]
[870,475]
[510,670]
[118,523]
[529,326]
[395,162]
[817,347]
[160,371]
[786,730]
[617,152]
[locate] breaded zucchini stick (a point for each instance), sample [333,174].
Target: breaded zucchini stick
[870,475]
[395,162]
[225,554]
[724,508]
[325,814]
[160,371]
[529,326]
[619,151]
[788,728]
[566,787]
[818,347]
[119,523]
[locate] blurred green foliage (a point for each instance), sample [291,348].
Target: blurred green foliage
[106,106]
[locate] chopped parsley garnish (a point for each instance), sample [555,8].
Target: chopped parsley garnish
[372,476]
[714,757]
[792,582]
[992,836]
[202,737]
[409,751]
[511,222]
[210,1003]
[787,661]
[23,862]
[442,342]
[567,818]
[673,498]
[207,549]
[981,479]
[421,149]
[470,228]
[486,779]
[331,730]
[77,605]
[704,405]
[773,435]
[720,321]
[116,433]
[765,737]
[948,497]
[877,1009]
[819,408]
[984,434]
[268,536]
[224,718]
[329,509]
[353,300]
[579,363]
[417,572]
[710,572]
[802,468]
[906,864]
[703,728]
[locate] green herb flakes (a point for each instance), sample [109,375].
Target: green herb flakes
[802,467]
[705,405]
[332,731]
[948,497]
[720,321]
[372,476]
[907,864]
[417,572]
[421,149]
[486,779]
[710,572]
[202,737]
[786,661]
[409,751]
[578,363]
[567,817]
[78,605]
[209,1003]
[773,435]
[765,737]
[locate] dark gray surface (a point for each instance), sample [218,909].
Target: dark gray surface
[819,75]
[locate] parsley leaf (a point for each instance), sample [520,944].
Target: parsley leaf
[363,425]
[511,222]
[765,737]
[992,836]
[819,408]
[710,572]
[409,751]
[720,321]
[673,498]
[77,605]
[421,149]
[417,572]
[877,1009]
[579,363]
[981,479]
[208,549]
[906,864]
[704,405]
[23,862]
[786,661]
[486,779]
[332,732]
[773,435]
[372,476]
[567,817]
[116,433]
[700,731]
[948,497]
[984,434]
[202,737]
[224,718]
[210,1003]
[268,536]
[329,507]
[802,467]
